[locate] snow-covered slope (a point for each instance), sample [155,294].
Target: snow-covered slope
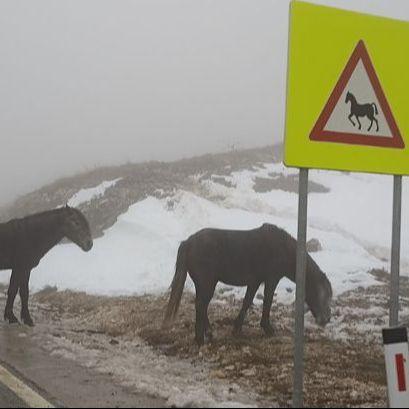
[137,254]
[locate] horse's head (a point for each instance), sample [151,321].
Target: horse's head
[348,97]
[76,228]
[319,296]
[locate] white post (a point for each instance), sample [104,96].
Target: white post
[397,366]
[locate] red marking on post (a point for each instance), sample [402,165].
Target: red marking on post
[400,369]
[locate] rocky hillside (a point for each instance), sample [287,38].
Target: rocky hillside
[136,182]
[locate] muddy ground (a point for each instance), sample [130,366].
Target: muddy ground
[344,362]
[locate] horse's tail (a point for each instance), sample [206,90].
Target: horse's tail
[177,286]
[375,108]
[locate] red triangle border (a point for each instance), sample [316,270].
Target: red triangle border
[318,133]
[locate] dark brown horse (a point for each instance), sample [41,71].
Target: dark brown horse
[245,259]
[24,242]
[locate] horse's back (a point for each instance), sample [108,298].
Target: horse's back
[226,240]
[236,257]
[223,241]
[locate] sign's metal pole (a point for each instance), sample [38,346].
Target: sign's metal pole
[395,252]
[301,266]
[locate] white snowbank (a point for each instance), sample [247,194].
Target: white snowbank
[86,195]
[137,255]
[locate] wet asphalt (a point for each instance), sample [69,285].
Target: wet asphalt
[62,382]
[9,400]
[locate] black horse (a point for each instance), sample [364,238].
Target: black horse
[362,110]
[246,259]
[24,242]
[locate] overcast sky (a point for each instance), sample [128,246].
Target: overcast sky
[95,82]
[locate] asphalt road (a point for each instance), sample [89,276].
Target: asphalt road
[61,382]
[9,400]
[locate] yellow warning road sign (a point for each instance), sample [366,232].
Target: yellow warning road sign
[348,91]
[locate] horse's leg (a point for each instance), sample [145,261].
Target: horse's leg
[200,324]
[359,122]
[202,320]
[204,294]
[269,290]
[351,120]
[11,296]
[24,294]
[248,300]
[208,328]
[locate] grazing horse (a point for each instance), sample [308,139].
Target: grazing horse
[244,259]
[24,242]
[362,110]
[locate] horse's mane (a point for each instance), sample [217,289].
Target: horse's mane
[313,269]
[315,272]
[41,216]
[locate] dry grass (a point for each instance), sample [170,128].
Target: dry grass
[338,373]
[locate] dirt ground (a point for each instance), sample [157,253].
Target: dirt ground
[344,362]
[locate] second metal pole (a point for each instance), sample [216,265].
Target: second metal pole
[301,266]
[395,252]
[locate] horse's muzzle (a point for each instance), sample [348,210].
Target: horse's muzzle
[323,323]
[88,245]
[324,319]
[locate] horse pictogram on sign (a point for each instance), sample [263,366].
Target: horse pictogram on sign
[357,111]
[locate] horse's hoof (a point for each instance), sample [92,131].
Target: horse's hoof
[11,318]
[200,342]
[269,330]
[28,321]
[269,334]
[209,337]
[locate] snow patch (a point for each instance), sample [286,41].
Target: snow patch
[86,195]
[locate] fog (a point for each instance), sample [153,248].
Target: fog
[98,82]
